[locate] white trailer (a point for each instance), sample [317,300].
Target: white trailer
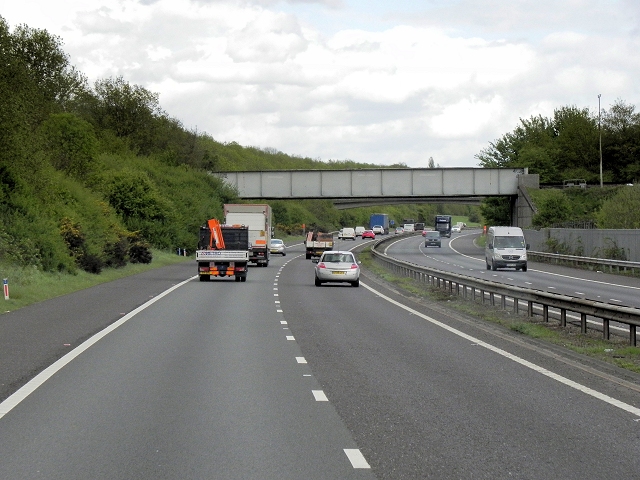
[258,218]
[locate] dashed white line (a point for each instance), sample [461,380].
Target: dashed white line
[301,360]
[290,337]
[319,396]
[356,458]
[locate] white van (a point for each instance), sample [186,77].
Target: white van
[506,248]
[348,234]
[359,231]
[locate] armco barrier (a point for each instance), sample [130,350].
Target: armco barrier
[603,264]
[470,287]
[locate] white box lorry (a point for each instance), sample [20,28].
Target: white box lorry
[258,218]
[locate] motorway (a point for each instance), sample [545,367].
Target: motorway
[159,376]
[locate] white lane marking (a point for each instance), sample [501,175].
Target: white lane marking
[275,295]
[615,300]
[283,322]
[290,337]
[277,301]
[279,311]
[47,373]
[319,396]
[356,458]
[521,361]
[579,293]
[301,360]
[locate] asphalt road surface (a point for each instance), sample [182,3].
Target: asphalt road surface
[162,376]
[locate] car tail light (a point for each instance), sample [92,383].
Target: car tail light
[321,265]
[353,265]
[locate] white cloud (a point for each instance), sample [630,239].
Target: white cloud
[372,81]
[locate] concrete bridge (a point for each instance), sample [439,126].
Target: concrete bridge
[369,187]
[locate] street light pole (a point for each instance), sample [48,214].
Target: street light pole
[600,135]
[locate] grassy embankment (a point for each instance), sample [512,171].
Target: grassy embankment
[30,285]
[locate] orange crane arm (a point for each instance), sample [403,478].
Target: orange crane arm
[216,241]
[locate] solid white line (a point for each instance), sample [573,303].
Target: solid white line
[319,396]
[47,373]
[356,458]
[521,361]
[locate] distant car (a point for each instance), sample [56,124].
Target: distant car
[409,227]
[277,246]
[399,230]
[378,229]
[359,231]
[348,234]
[368,234]
[432,239]
[455,229]
[337,266]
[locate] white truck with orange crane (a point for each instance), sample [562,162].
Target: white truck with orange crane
[258,218]
[223,251]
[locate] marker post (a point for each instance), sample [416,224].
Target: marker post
[5,283]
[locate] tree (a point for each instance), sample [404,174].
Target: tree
[130,111]
[552,208]
[496,211]
[70,143]
[621,211]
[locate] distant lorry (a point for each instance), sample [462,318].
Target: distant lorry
[258,218]
[223,251]
[317,242]
[443,225]
[381,219]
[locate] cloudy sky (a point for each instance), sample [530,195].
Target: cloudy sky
[366,80]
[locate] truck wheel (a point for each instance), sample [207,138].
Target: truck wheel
[243,279]
[204,278]
[237,279]
[308,255]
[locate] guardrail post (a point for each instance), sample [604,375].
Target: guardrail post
[545,313]
[563,317]
[605,328]
[516,305]
[530,308]
[492,299]
[583,322]
[503,302]
[632,335]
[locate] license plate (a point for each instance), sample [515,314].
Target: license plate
[511,264]
[338,273]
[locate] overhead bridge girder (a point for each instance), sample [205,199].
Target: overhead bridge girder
[362,187]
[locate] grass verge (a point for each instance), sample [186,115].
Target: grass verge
[616,350]
[30,285]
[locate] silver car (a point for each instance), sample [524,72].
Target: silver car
[337,266]
[276,246]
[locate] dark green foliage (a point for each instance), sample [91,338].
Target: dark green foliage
[553,208]
[496,211]
[70,143]
[567,145]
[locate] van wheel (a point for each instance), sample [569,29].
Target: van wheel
[524,268]
[493,266]
[488,266]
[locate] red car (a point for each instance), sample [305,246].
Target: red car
[368,234]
